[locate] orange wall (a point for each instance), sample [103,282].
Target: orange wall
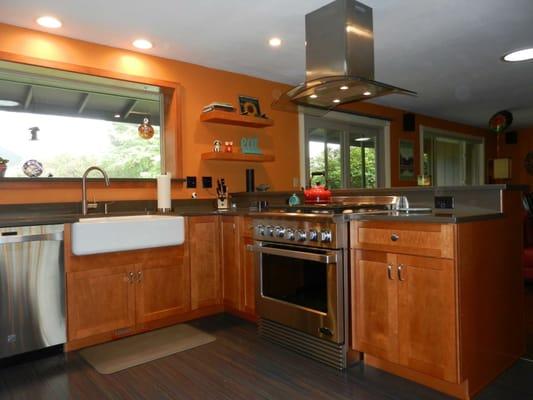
[199,86]
[517,152]
[397,133]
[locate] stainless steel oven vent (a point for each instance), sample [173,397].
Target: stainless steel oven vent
[339,59]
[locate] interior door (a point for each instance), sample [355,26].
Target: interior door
[100,300]
[427,315]
[375,304]
[162,285]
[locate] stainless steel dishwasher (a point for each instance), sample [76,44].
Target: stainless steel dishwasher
[32,288]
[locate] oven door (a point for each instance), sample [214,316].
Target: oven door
[301,287]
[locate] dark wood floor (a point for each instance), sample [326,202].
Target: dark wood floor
[238,365]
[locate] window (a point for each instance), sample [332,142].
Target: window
[68,122]
[348,153]
[451,158]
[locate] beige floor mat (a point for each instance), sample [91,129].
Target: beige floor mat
[115,356]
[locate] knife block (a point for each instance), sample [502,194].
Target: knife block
[222,203]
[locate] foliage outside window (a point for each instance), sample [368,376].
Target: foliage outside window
[347,153]
[82,121]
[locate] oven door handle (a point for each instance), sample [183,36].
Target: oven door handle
[301,255]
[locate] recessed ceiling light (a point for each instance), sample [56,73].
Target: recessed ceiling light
[367,93]
[274,42]
[313,96]
[519,55]
[49,22]
[9,103]
[142,44]
[344,87]
[336,101]
[116,115]
[362,139]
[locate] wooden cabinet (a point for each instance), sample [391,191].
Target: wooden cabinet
[162,288]
[100,300]
[404,306]
[238,265]
[231,262]
[204,249]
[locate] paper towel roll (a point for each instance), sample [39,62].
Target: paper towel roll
[163,192]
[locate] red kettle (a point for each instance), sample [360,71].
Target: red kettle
[317,193]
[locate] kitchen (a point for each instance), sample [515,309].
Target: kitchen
[211,268]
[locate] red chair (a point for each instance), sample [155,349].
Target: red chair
[527,256]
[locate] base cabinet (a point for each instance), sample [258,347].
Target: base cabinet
[204,249]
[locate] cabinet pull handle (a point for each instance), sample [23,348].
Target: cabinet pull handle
[394,237]
[389,271]
[139,276]
[132,277]
[400,268]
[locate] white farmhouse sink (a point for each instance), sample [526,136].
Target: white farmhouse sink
[108,234]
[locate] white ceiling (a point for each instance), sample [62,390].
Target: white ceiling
[446,50]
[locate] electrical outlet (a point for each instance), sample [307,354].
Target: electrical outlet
[191,182]
[444,202]
[207,182]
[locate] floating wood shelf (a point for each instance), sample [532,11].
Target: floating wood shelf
[233,118]
[223,156]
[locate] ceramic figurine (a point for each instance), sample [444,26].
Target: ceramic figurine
[217,146]
[228,147]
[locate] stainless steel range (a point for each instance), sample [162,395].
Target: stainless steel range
[302,279]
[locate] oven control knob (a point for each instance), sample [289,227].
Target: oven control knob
[279,231]
[325,236]
[269,230]
[289,234]
[313,235]
[301,235]
[260,230]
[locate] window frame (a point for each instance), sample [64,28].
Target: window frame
[332,119]
[171,137]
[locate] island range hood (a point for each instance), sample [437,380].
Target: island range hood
[339,59]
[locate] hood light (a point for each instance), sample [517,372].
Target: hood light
[9,103]
[336,101]
[344,87]
[367,93]
[313,96]
[47,21]
[142,44]
[519,55]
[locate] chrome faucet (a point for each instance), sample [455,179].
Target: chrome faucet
[84,206]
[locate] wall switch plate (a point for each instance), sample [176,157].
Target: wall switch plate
[191,182]
[444,202]
[207,182]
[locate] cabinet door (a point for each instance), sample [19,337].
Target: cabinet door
[427,316]
[374,304]
[248,277]
[231,263]
[100,301]
[162,285]
[204,250]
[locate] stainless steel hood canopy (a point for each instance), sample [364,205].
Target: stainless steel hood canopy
[339,59]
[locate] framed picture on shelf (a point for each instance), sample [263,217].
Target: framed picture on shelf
[249,106]
[407,160]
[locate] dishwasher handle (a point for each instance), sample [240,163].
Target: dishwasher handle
[55,236]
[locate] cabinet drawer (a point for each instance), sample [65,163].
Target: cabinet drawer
[425,239]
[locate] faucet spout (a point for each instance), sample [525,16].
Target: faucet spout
[84,207]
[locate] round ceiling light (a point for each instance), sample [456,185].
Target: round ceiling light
[519,55]
[47,21]
[143,44]
[367,93]
[274,42]
[9,103]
